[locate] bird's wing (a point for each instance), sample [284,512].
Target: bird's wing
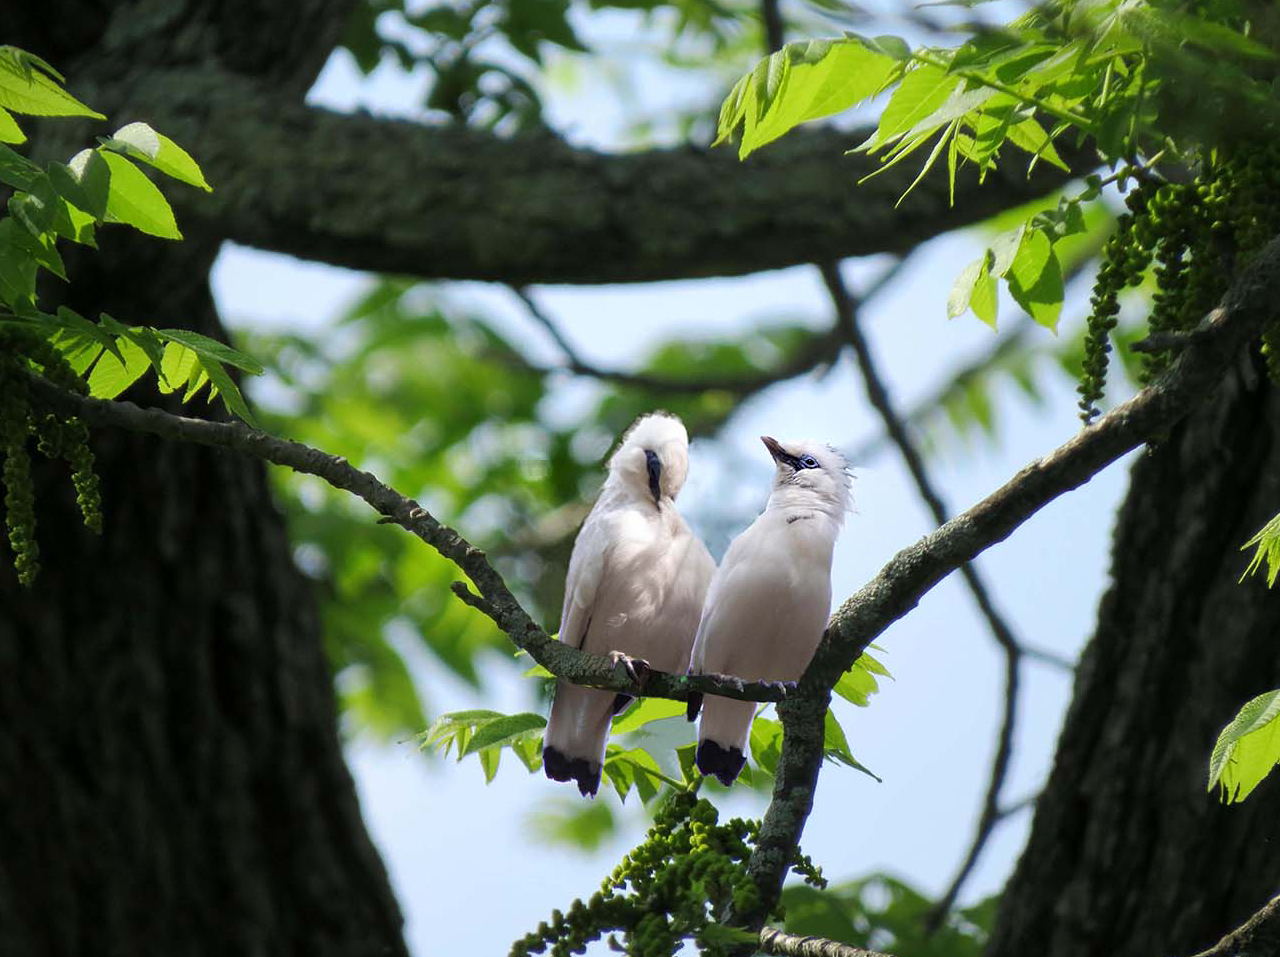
[586,571]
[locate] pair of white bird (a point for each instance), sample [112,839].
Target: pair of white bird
[642,586]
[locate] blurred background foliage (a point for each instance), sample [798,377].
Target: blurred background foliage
[446,405]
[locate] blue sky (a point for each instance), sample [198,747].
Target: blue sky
[468,874]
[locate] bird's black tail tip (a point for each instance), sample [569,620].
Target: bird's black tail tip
[694,706]
[723,764]
[559,767]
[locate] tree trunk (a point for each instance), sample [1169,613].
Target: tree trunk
[170,769]
[1128,853]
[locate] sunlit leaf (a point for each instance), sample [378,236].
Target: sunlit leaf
[1247,749]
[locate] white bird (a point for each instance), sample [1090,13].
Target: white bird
[771,596]
[637,579]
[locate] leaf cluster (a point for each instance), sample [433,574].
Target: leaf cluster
[69,201]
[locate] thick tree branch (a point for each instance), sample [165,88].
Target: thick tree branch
[1248,305]
[395,196]
[846,309]
[495,599]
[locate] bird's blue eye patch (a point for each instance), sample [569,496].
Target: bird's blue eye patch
[808,462]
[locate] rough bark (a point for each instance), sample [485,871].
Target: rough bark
[170,770]
[1128,853]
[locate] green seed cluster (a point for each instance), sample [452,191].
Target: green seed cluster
[689,872]
[57,437]
[1197,234]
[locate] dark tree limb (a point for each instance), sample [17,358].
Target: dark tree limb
[1247,306]
[846,308]
[459,203]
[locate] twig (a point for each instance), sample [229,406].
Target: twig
[495,599]
[1259,936]
[821,347]
[878,395]
[909,575]
[1172,339]
[773,941]
[774,27]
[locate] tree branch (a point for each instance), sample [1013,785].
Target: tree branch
[1259,936]
[495,599]
[846,309]
[390,195]
[909,575]
[817,349]
[773,941]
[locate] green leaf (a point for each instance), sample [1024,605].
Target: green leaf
[835,747]
[648,710]
[1267,541]
[962,290]
[17,267]
[176,366]
[1035,279]
[815,79]
[141,142]
[921,92]
[205,347]
[455,729]
[110,376]
[10,131]
[1004,250]
[503,730]
[634,767]
[16,170]
[1247,749]
[226,388]
[30,91]
[135,200]
[1030,136]
[983,299]
[766,743]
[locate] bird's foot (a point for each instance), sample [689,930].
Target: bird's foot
[784,688]
[637,668]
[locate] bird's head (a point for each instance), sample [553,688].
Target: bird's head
[653,458]
[814,470]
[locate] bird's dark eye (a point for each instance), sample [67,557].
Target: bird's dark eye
[808,462]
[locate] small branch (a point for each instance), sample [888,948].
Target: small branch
[821,347]
[1248,305]
[1259,936]
[494,599]
[774,27]
[878,395]
[1172,340]
[773,941]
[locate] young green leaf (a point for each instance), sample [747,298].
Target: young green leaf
[226,388]
[835,747]
[1035,279]
[176,366]
[135,200]
[26,87]
[646,711]
[10,131]
[16,170]
[766,744]
[1247,749]
[503,731]
[204,347]
[983,300]
[1267,542]
[811,80]
[922,91]
[110,376]
[17,268]
[141,142]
